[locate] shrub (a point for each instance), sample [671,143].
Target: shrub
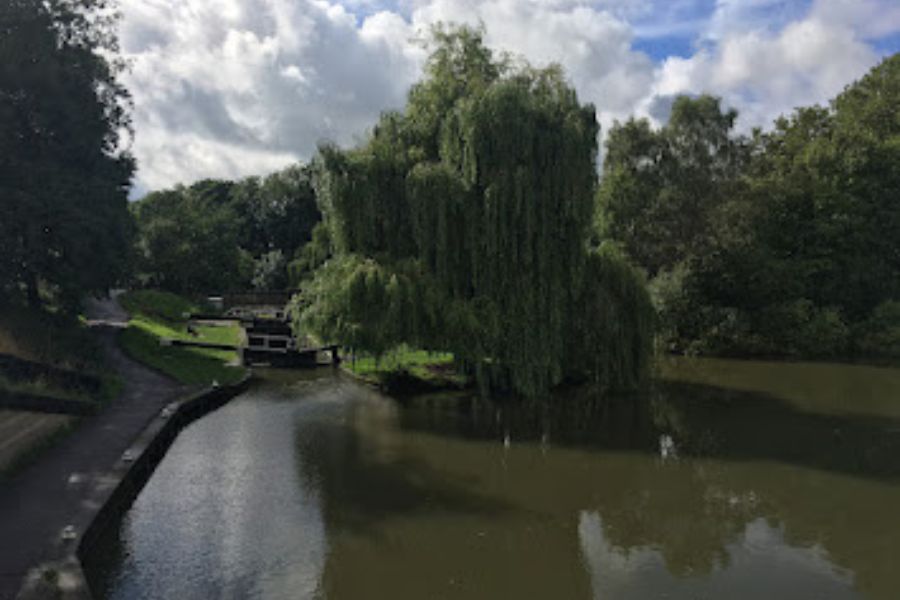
[879,335]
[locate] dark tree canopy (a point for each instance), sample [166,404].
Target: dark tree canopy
[463,224]
[187,240]
[216,235]
[64,176]
[784,243]
[662,188]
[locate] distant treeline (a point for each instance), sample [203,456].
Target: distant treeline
[785,243]
[777,243]
[218,236]
[474,220]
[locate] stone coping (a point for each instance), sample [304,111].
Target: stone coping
[113,493]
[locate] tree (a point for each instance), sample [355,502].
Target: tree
[276,212]
[311,256]
[220,235]
[463,224]
[270,271]
[797,252]
[187,240]
[661,190]
[64,175]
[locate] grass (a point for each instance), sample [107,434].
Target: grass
[156,316]
[56,340]
[30,452]
[431,368]
[157,305]
[41,387]
[49,338]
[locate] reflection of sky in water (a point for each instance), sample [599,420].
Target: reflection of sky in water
[760,565]
[324,488]
[235,531]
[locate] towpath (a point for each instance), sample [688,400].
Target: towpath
[39,501]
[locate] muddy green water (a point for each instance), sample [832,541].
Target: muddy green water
[731,479]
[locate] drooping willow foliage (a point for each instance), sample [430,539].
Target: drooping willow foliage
[462,225]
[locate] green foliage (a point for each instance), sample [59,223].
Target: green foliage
[58,339]
[310,257]
[463,225]
[459,66]
[187,240]
[436,370]
[879,335]
[789,244]
[156,316]
[157,305]
[192,366]
[366,306]
[64,178]
[277,212]
[218,236]
[662,189]
[270,271]
[615,349]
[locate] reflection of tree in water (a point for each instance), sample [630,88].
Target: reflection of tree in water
[713,422]
[348,454]
[826,481]
[682,514]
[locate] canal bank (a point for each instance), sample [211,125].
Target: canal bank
[46,506]
[309,485]
[110,495]
[115,494]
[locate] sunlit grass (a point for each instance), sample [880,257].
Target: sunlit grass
[157,316]
[433,367]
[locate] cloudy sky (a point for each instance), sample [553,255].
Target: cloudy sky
[228,88]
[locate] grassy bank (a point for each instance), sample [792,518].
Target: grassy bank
[59,342]
[50,338]
[56,341]
[405,369]
[156,316]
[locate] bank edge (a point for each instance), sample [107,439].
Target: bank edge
[113,493]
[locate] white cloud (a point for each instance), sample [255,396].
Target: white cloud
[765,74]
[231,88]
[591,43]
[227,88]
[869,18]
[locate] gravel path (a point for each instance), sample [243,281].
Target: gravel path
[51,493]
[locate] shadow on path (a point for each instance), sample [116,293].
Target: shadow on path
[54,491]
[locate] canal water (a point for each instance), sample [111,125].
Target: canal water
[729,479]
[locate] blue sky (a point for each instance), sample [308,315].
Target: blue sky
[229,88]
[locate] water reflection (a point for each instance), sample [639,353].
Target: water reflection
[758,564]
[719,486]
[324,489]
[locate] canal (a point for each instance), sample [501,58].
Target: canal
[729,479]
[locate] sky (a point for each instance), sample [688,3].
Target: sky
[231,88]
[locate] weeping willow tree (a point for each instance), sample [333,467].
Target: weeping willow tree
[463,225]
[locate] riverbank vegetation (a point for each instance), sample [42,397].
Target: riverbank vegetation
[155,317]
[473,222]
[48,358]
[463,225]
[43,353]
[403,369]
[783,243]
